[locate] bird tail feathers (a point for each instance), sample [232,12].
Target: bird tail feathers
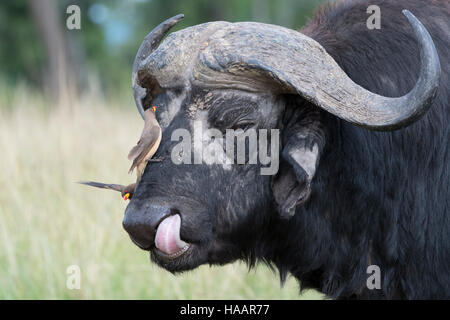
[116,187]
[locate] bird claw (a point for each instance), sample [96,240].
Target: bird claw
[155,160]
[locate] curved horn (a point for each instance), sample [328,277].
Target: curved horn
[299,64]
[149,44]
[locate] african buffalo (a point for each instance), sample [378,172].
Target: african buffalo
[364,172]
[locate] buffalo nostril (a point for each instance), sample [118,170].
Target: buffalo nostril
[141,221]
[141,234]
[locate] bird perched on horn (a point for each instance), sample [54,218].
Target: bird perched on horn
[148,143]
[151,135]
[140,154]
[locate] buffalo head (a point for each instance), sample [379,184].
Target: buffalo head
[250,77]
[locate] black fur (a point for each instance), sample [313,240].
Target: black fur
[377,197]
[382,198]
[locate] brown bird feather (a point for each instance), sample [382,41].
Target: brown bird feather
[147,144]
[116,187]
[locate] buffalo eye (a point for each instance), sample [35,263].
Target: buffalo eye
[236,115]
[243,125]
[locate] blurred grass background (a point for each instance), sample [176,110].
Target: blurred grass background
[49,222]
[50,140]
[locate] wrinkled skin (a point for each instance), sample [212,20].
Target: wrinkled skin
[343,198]
[217,204]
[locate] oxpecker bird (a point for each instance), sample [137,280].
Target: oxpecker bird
[147,145]
[140,154]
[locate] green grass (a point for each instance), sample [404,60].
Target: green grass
[48,222]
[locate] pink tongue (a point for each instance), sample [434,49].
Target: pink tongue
[168,235]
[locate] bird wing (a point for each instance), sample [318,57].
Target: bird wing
[146,146]
[116,187]
[149,123]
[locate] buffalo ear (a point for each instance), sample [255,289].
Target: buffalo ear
[303,144]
